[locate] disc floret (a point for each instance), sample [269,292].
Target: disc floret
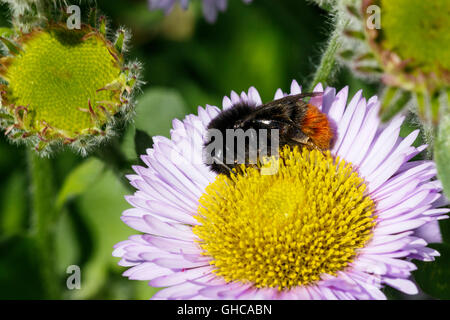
[287,229]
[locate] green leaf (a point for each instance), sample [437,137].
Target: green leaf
[20,275]
[143,291]
[392,105]
[67,244]
[389,95]
[79,180]
[156,109]
[355,34]
[411,124]
[433,277]
[101,209]
[128,144]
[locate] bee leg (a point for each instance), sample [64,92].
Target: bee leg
[309,144]
[302,140]
[221,163]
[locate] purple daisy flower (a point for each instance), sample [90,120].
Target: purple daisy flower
[210,7]
[207,236]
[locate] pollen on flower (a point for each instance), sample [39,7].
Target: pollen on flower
[287,229]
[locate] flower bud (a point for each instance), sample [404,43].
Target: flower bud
[64,86]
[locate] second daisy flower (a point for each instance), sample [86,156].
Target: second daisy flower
[335,225]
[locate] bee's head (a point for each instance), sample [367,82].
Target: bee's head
[215,148]
[239,124]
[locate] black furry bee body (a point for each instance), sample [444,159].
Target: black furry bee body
[296,121]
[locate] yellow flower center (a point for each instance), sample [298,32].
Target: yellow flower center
[289,228]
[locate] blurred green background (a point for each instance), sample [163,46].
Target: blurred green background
[187,62]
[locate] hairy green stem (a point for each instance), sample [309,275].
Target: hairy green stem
[442,153]
[328,61]
[44,217]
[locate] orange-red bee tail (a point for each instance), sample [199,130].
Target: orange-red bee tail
[315,125]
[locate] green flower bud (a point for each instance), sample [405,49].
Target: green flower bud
[64,86]
[405,43]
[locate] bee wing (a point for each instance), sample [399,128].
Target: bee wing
[287,109]
[291,100]
[285,114]
[291,108]
[277,107]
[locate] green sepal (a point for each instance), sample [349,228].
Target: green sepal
[432,277]
[353,11]
[92,19]
[6,117]
[120,41]
[355,34]
[391,105]
[369,69]
[102,26]
[366,56]
[347,54]
[13,49]
[6,32]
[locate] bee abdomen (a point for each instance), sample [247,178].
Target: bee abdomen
[315,124]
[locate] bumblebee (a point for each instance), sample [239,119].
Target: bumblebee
[296,123]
